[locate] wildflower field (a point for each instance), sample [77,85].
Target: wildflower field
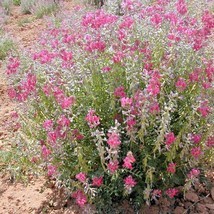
[114,105]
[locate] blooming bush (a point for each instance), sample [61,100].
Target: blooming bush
[120,107]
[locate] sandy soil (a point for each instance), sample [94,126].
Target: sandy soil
[36,197]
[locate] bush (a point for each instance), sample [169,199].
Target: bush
[44,7]
[26,6]
[6,46]
[7,4]
[120,107]
[17,2]
[39,8]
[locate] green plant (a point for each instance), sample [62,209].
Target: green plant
[42,8]
[24,21]
[7,4]
[26,6]
[17,2]
[6,46]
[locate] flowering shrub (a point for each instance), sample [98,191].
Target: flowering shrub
[39,8]
[120,107]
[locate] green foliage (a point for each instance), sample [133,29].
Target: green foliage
[17,2]
[6,46]
[7,4]
[24,21]
[26,6]
[46,10]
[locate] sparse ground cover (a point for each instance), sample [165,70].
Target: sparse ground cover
[117,109]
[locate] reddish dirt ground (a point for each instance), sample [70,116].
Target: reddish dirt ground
[37,197]
[17,198]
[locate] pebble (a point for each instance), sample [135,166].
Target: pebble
[179,210]
[201,208]
[187,204]
[210,206]
[191,196]
[212,192]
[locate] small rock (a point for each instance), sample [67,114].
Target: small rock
[212,192]
[179,210]
[191,196]
[187,204]
[207,200]
[151,209]
[210,206]
[199,187]
[165,202]
[201,208]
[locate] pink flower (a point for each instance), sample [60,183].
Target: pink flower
[106,69]
[80,197]
[197,44]
[66,56]
[128,160]
[129,182]
[98,19]
[118,57]
[131,122]
[156,19]
[127,22]
[204,109]
[119,92]
[13,65]
[193,173]
[64,121]
[206,85]
[14,115]
[52,137]
[172,192]
[125,101]
[194,76]
[196,152]
[48,125]
[113,166]
[11,93]
[171,168]
[51,170]
[181,7]
[67,102]
[154,83]
[210,141]
[58,94]
[92,119]
[34,159]
[45,152]
[170,138]
[154,108]
[196,138]
[113,140]
[181,84]
[60,132]
[97,181]
[208,19]
[47,89]
[81,177]
[156,193]
[30,84]
[172,17]
[77,135]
